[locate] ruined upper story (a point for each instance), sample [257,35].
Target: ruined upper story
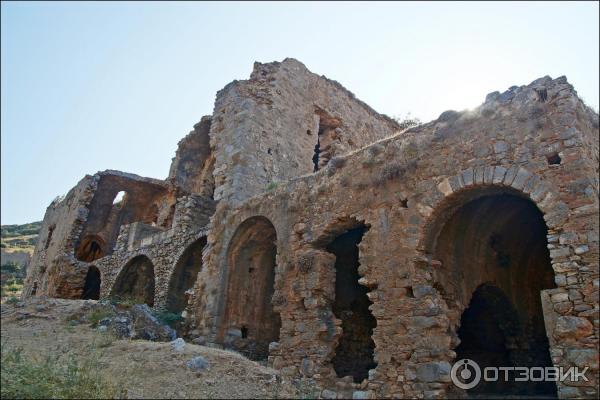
[282,123]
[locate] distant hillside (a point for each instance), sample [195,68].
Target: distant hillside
[17,244]
[20,237]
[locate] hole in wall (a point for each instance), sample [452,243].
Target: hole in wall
[244,331]
[404,203]
[553,159]
[326,134]
[119,199]
[354,354]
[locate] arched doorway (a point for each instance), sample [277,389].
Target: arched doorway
[91,287]
[250,322]
[495,263]
[135,282]
[184,276]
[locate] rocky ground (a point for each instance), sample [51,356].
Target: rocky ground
[138,368]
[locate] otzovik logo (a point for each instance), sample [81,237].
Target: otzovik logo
[465,374]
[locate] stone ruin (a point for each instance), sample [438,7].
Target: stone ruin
[299,226]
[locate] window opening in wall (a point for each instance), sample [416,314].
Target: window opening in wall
[119,199]
[554,159]
[315,158]
[326,135]
[244,332]
[354,354]
[49,238]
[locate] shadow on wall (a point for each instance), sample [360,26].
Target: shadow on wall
[184,276]
[135,282]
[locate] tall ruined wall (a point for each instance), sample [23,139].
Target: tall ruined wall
[192,166]
[530,142]
[49,272]
[265,129]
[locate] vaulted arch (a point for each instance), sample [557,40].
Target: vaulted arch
[135,282]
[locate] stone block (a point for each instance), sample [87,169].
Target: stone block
[572,327]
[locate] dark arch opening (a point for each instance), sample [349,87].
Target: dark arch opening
[135,282]
[184,276]
[499,240]
[250,323]
[91,248]
[91,288]
[354,352]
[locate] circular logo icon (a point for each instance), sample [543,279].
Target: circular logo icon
[465,374]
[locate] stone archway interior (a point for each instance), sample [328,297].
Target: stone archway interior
[498,240]
[354,352]
[91,288]
[184,276]
[91,248]
[250,322]
[135,282]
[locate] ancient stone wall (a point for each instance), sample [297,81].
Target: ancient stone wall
[405,190]
[265,130]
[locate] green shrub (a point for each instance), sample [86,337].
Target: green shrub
[98,315]
[12,300]
[271,186]
[54,377]
[167,317]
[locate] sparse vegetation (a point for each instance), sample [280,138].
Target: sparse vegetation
[407,122]
[96,316]
[11,279]
[168,317]
[271,186]
[56,376]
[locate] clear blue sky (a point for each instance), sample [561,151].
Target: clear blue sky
[91,86]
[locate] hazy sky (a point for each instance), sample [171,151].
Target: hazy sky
[94,86]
